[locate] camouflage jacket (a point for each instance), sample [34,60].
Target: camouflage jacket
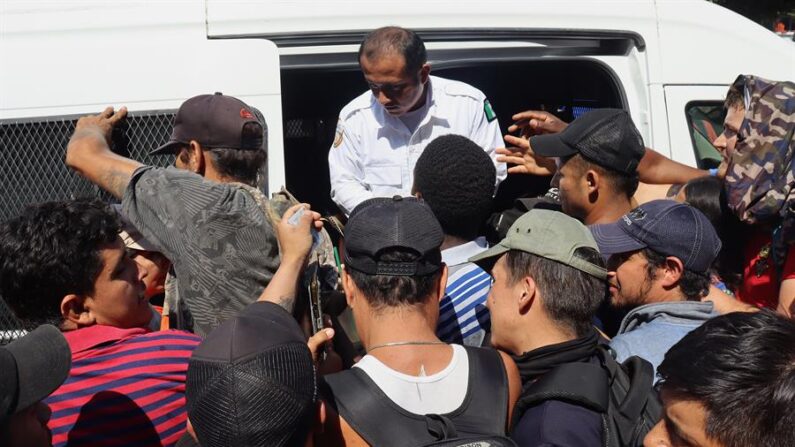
[760,180]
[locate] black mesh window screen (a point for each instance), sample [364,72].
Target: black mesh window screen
[32,165]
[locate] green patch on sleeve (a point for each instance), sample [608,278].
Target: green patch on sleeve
[488,111]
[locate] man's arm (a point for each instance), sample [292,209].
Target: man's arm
[656,169]
[89,154]
[786,298]
[346,172]
[724,304]
[295,242]
[486,134]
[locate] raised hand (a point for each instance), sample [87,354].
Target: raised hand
[520,153]
[536,122]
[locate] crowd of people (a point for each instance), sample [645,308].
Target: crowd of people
[639,301]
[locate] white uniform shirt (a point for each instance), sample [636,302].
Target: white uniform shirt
[373,154]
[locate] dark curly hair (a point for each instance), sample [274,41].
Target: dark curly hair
[52,250]
[456,179]
[693,285]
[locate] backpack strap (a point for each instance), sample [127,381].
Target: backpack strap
[642,378]
[360,402]
[631,385]
[487,400]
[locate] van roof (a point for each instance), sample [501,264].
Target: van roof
[684,41]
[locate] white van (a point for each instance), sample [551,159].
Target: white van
[669,62]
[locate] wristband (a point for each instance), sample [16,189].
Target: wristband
[713,172]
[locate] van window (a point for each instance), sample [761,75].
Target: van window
[33,157]
[705,121]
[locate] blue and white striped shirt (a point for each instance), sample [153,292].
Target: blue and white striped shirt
[463,316]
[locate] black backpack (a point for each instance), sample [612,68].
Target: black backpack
[363,405]
[622,393]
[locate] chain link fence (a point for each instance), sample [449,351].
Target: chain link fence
[32,168]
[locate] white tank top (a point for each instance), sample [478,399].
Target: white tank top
[439,393]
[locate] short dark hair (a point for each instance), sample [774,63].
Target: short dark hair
[620,182]
[693,285]
[741,368]
[734,99]
[393,39]
[456,179]
[571,297]
[243,165]
[383,291]
[52,250]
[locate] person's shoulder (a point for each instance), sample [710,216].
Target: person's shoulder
[357,107]
[555,422]
[456,89]
[156,177]
[169,339]
[648,341]
[174,334]
[625,345]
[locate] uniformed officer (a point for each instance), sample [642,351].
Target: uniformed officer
[381,134]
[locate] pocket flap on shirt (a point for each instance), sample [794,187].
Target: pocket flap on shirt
[383,175]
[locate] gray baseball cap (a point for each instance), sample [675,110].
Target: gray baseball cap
[549,234]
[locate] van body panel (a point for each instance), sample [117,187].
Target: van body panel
[702,43]
[59,83]
[689,41]
[235,18]
[661,141]
[630,72]
[27,19]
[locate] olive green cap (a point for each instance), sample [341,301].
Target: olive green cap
[549,234]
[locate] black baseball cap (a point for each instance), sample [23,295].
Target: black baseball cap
[669,228]
[252,381]
[606,137]
[399,222]
[214,121]
[31,368]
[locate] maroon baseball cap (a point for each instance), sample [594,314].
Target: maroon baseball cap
[214,121]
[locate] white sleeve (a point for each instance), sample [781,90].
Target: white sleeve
[486,133]
[345,170]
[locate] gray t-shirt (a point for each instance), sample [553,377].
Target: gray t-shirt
[223,248]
